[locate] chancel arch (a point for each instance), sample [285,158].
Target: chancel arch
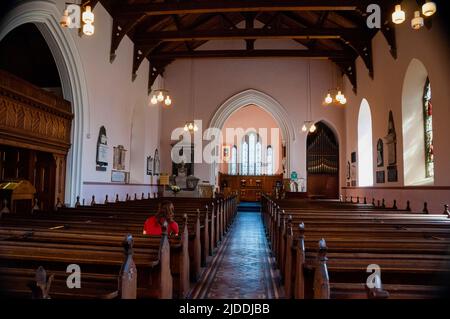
[265,102]
[45,15]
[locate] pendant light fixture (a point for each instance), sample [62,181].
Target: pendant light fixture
[85,19]
[161,95]
[309,124]
[429,8]
[190,125]
[334,96]
[399,15]
[417,22]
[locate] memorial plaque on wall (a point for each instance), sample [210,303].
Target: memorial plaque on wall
[102,150]
[380,177]
[392,174]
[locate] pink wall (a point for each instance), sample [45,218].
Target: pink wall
[384,93]
[253,117]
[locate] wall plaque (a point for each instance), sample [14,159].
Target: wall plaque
[102,150]
[380,177]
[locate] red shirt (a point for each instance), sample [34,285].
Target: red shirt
[152,227]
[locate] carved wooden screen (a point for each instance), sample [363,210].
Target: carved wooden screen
[323,151]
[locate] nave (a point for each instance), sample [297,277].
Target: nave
[243,267]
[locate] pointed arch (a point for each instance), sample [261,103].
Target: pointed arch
[45,15]
[264,101]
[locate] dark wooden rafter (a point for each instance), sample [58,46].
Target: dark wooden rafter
[194,7]
[121,27]
[227,23]
[251,33]
[166,30]
[321,54]
[156,68]
[140,52]
[388,29]
[249,25]
[348,67]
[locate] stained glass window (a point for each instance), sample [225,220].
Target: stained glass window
[251,155]
[269,160]
[244,159]
[428,129]
[258,159]
[233,162]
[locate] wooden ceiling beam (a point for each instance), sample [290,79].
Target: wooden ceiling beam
[251,33]
[194,7]
[319,54]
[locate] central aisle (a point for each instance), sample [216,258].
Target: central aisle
[242,267]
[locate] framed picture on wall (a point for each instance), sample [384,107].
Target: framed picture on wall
[353,157]
[226,153]
[380,177]
[119,177]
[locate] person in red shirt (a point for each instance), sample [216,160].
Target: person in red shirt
[153,224]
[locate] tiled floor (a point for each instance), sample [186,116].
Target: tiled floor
[242,267]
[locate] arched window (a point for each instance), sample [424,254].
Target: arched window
[244,158]
[417,126]
[428,129]
[365,149]
[232,167]
[258,156]
[251,155]
[269,160]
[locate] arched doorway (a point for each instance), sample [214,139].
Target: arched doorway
[322,162]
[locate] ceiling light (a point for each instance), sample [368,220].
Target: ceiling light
[88,29]
[88,16]
[328,99]
[65,19]
[399,15]
[429,8]
[417,21]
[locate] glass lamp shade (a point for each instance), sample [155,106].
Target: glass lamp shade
[87,16]
[186,128]
[398,16]
[154,100]
[160,97]
[88,29]
[304,128]
[339,96]
[417,22]
[343,101]
[313,128]
[65,19]
[328,99]
[429,8]
[167,101]
[195,128]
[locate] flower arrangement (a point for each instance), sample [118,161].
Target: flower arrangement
[175,189]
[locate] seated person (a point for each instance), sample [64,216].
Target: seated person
[153,224]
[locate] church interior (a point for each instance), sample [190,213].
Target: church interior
[285,150]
